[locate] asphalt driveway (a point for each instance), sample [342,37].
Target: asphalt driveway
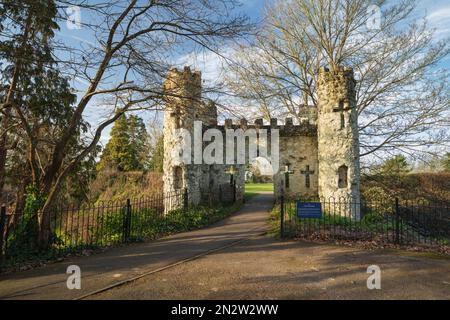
[234,259]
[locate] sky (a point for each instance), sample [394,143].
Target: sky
[436,11]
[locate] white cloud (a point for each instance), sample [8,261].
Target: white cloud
[440,14]
[440,20]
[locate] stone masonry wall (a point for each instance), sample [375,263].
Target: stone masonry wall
[297,148]
[301,153]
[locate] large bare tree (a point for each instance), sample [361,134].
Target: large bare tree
[402,95]
[122,65]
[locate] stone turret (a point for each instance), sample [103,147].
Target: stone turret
[338,140]
[182,103]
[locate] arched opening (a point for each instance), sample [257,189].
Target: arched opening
[259,177]
[342,176]
[178,178]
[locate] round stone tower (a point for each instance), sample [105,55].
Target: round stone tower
[338,139]
[182,97]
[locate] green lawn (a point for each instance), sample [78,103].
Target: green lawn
[252,189]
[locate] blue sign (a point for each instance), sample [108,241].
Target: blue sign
[311,210]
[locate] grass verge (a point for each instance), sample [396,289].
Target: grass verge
[253,189]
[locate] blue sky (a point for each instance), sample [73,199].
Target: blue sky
[437,12]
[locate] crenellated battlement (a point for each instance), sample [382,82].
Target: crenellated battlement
[183,84]
[186,74]
[332,86]
[341,72]
[288,128]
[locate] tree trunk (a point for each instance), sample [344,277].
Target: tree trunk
[9,100]
[45,216]
[3,154]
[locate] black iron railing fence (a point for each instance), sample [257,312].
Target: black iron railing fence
[75,228]
[393,221]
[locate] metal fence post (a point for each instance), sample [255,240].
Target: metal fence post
[127,222]
[397,222]
[2,230]
[185,199]
[282,216]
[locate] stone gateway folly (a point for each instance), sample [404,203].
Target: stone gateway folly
[319,157]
